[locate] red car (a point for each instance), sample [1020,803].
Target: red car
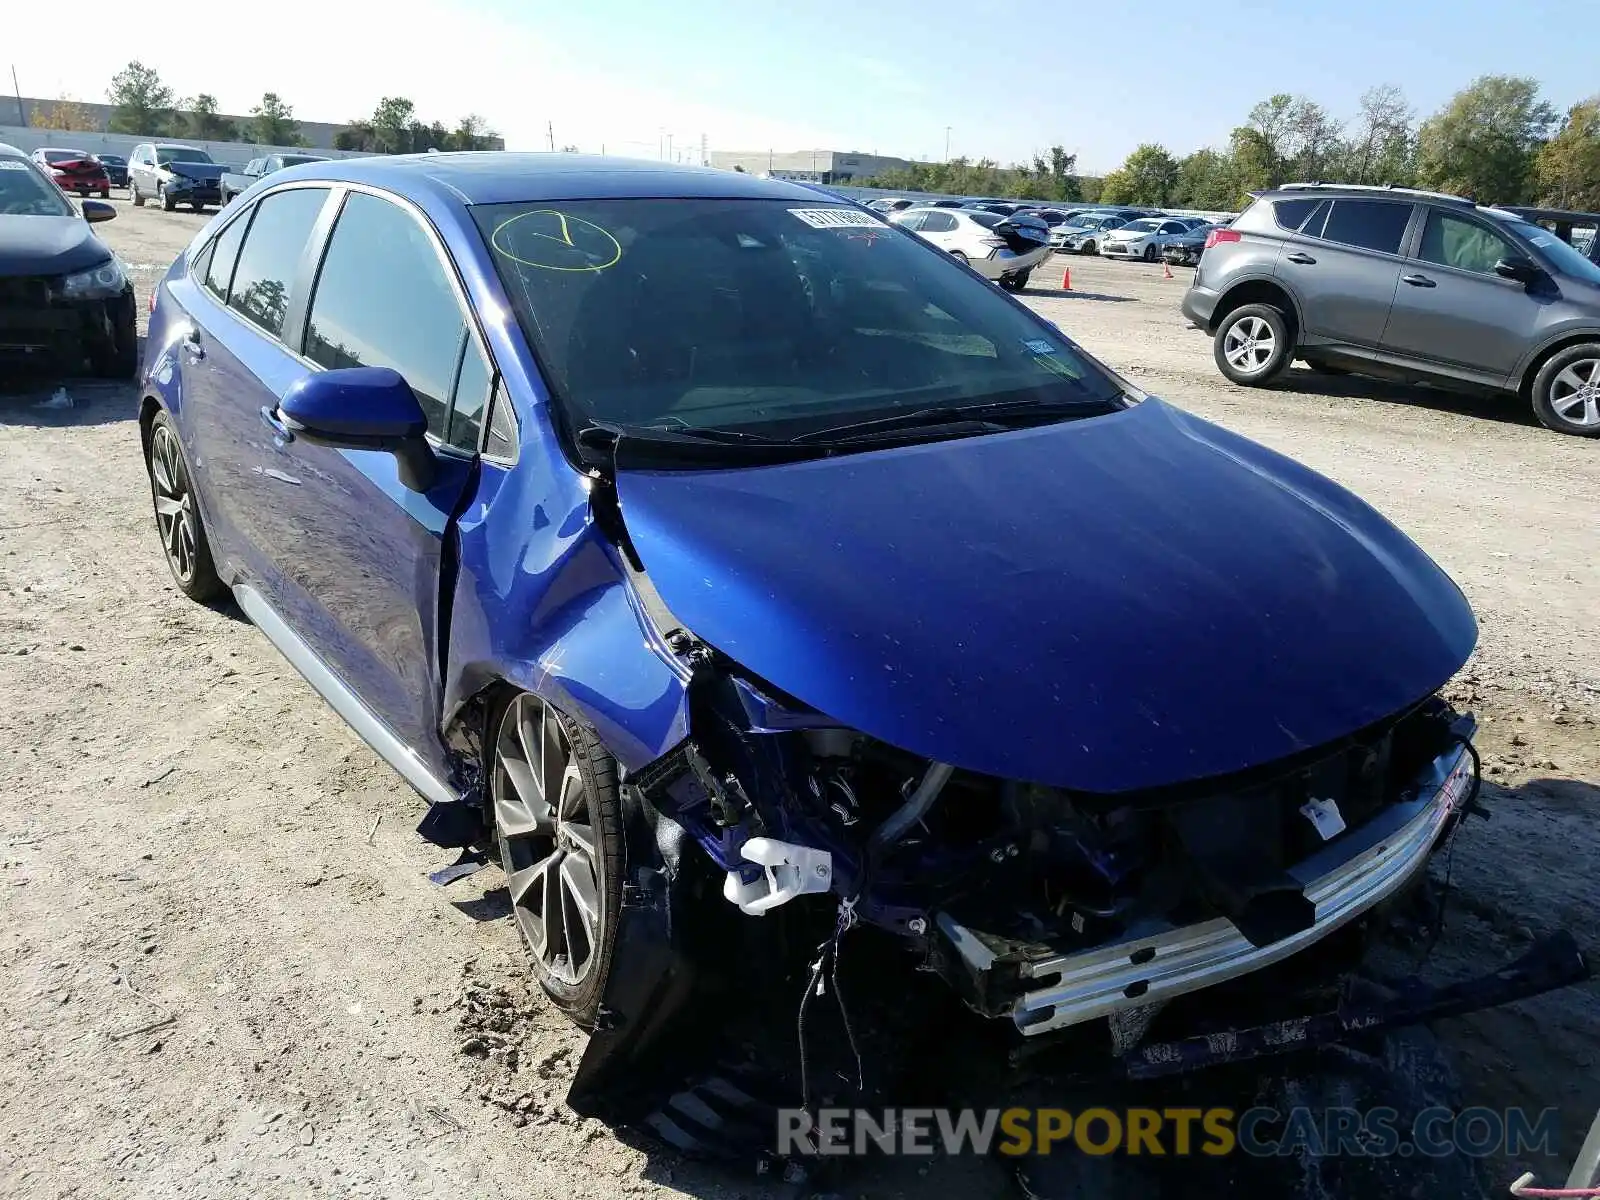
[75,171]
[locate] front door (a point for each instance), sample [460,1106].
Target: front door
[358,554]
[1344,266]
[1451,309]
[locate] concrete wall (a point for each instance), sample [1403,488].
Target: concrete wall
[234,153]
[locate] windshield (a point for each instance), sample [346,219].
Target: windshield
[987,219]
[115,160]
[1560,255]
[294,160]
[26,193]
[55,156]
[1144,223]
[772,316]
[172,154]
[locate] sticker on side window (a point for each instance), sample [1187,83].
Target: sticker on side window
[12,164]
[1038,346]
[835,218]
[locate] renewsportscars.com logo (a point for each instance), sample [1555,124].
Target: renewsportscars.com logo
[1214,1132]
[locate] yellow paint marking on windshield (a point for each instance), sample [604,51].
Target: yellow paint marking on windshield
[570,239]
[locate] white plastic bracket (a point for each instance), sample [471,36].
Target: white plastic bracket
[788,870]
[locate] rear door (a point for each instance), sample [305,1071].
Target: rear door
[1344,266]
[1452,311]
[357,554]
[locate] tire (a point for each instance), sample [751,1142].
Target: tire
[1150,254]
[1089,248]
[1015,283]
[1245,331]
[1566,391]
[198,207]
[122,360]
[138,196]
[959,257]
[105,194]
[168,204]
[189,559]
[575,846]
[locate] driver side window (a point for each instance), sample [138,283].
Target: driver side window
[1465,245]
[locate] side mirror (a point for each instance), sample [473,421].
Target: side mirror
[362,408]
[95,211]
[1518,267]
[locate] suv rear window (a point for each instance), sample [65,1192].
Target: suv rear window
[1371,224]
[1291,214]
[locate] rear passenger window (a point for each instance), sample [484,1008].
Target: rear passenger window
[383,300]
[271,256]
[224,252]
[502,440]
[1291,214]
[1370,224]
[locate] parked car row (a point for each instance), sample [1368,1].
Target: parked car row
[1004,248]
[75,171]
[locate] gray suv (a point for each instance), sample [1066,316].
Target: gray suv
[1406,285]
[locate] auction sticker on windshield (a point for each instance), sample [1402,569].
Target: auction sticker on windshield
[12,164]
[834,218]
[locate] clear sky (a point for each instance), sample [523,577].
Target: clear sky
[1008,78]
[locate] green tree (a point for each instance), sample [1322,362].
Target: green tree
[358,135]
[1484,141]
[1151,174]
[142,103]
[272,122]
[62,114]
[1116,188]
[472,132]
[391,124]
[201,120]
[1206,180]
[1568,166]
[1383,147]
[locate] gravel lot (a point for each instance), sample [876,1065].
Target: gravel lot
[222,972]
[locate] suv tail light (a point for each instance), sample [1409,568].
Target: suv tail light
[1222,235]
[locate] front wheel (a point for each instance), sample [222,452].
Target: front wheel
[168,204]
[558,826]
[1566,392]
[105,193]
[1252,344]
[183,535]
[1149,254]
[1089,248]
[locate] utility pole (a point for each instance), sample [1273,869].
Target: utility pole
[550,128]
[16,90]
[705,158]
[947,143]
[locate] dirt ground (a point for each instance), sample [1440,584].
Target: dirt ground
[224,974]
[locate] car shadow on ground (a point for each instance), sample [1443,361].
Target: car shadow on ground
[1507,409]
[1069,294]
[44,399]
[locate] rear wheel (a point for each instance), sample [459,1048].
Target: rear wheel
[183,536]
[1566,392]
[133,190]
[1015,283]
[959,257]
[558,826]
[1252,344]
[198,207]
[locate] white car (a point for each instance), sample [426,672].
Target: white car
[1084,233]
[1004,249]
[1143,238]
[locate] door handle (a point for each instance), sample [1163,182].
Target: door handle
[191,343]
[1301,257]
[1418,281]
[280,431]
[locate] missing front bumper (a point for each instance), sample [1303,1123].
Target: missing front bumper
[1042,991]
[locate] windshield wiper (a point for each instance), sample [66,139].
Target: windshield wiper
[647,443]
[998,412]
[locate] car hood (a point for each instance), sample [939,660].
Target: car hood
[1123,602]
[48,245]
[1130,235]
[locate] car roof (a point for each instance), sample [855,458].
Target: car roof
[498,177]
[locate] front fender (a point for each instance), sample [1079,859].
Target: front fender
[542,603]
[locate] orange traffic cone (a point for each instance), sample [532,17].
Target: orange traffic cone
[1066,279]
[1166,270]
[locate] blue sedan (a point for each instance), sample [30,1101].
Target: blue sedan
[740,571]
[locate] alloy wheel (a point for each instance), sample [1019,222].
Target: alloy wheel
[1249,345]
[174,504]
[546,830]
[1575,393]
